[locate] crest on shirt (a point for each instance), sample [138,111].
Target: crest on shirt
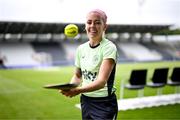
[95,59]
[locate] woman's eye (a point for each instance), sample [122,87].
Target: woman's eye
[98,23]
[88,22]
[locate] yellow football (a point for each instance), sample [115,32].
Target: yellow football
[71,30]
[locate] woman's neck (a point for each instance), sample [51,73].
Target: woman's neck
[94,42]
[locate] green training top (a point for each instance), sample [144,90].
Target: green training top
[89,59]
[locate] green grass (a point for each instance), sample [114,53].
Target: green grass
[22,95]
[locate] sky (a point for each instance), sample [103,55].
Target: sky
[74,11]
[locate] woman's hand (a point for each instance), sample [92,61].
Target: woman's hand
[71,93]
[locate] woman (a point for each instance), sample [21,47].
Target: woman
[95,65]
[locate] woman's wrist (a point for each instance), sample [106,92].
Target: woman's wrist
[81,89]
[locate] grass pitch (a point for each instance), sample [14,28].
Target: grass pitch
[22,95]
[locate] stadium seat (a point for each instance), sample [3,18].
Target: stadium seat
[137,81]
[159,79]
[175,79]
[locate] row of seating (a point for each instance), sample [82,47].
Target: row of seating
[160,78]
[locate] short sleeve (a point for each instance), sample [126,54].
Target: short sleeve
[110,51]
[77,58]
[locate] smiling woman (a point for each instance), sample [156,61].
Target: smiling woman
[95,63]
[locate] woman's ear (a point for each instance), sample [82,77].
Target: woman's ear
[105,27]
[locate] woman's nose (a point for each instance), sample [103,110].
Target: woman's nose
[92,24]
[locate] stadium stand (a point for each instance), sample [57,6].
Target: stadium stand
[138,52]
[159,79]
[18,55]
[47,39]
[54,49]
[168,45]
[122,58]
[137,81]
[160,49]
[70,49]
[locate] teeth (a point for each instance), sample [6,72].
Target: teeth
[93,31]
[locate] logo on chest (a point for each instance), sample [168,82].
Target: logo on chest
[95,59]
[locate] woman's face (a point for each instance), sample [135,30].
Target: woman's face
[94,25]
